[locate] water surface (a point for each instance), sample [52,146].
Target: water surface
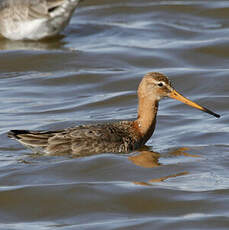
[89,74]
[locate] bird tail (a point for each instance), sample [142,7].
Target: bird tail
[31,139]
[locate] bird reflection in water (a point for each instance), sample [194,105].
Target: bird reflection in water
[161,179]
[146,159]
[48,44]
[150,159]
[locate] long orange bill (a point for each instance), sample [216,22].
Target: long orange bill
[174,94]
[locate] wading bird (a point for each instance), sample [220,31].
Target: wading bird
[120,136]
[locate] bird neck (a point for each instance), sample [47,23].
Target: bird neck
[146,121]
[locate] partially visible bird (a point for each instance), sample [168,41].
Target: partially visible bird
[120,136]
[34,19]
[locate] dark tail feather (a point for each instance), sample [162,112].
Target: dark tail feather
[31,138]
[14,133]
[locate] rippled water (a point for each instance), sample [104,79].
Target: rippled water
[91,73]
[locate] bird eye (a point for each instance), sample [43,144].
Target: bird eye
[160,84]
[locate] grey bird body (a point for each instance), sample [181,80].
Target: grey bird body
[34,19]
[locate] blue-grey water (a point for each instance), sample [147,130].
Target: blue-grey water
[89,74]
